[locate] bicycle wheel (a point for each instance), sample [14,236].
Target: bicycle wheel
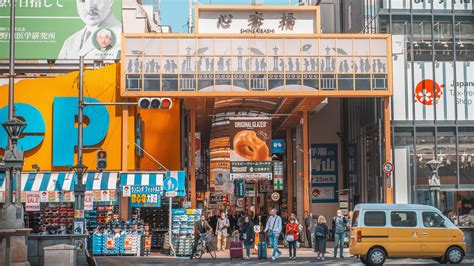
[198,253]
[212,250]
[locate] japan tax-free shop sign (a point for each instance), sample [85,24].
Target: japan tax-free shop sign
[62,29]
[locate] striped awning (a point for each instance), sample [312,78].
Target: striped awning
[141,179]
[47,181]
[63,181]
[2,181]
[100,180]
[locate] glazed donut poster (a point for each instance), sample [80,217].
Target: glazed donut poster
[250,143]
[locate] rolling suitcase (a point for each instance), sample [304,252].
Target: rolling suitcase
[236,249]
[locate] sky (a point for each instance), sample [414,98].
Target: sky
[175,12]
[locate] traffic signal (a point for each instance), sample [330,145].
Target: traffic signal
[155,103]
[101,160]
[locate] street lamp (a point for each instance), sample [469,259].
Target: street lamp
[80,171]
[13,164]
[79,189]
[14,129]
[434,183]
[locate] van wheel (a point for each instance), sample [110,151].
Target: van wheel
[363,260]
[376,257]
[454,255]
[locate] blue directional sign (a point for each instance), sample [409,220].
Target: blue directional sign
[179,186]
[170,184]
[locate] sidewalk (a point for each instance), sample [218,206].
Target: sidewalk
[300,252]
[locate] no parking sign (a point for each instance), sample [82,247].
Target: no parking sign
[388,168]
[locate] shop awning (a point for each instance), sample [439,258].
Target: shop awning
[2,181]
[48,181]
[100,180]
[141,179]
[63,181]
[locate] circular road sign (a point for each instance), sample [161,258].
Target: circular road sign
[170,184]
[388,168]
[275,196]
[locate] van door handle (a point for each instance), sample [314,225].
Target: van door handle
[424,233]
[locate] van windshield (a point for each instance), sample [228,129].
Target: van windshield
[355,219]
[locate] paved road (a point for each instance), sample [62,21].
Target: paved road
[305,257]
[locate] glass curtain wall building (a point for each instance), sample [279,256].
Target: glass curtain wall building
[433,101]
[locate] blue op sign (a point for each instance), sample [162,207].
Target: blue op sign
[145,196]
[324,178]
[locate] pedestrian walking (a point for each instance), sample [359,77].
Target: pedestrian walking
[223,225]
[292,235]
[248,235]
[339,223]
[321,233]
[273,228]
[309,227]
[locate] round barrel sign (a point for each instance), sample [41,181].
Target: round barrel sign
[275,196]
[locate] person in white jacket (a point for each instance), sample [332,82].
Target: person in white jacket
[222,232]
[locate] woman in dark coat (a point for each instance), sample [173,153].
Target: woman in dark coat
[321,233]
[247,235]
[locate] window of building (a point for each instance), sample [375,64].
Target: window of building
[425,149]
[464,38]
[466,155]
[443,39]
[422,41]
[447,155]
[375,218]
[403,219]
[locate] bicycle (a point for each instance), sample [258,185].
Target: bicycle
[205,245]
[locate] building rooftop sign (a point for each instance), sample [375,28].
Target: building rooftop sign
[257,20]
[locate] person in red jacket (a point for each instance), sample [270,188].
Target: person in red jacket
[292,234]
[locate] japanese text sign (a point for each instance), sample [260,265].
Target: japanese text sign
[145,196]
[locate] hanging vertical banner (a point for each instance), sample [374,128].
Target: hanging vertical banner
[32,203]
[250,142]
[324,178]
[277,175]
[197,150]
[239,188]
[88,200]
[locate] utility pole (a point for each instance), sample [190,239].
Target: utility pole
[11,215]
[80,169]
